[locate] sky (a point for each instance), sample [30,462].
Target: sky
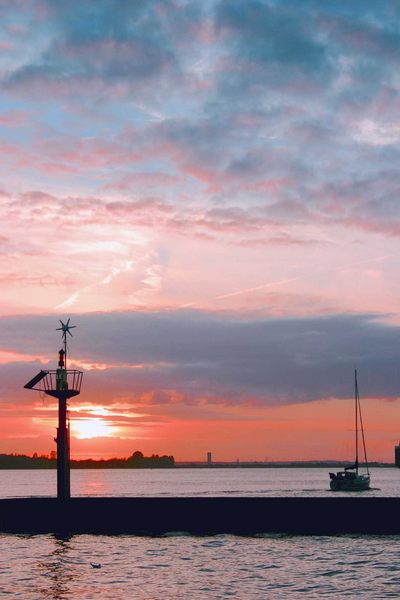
[210,191]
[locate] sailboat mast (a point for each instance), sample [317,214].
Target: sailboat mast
[362,431]
[356,412]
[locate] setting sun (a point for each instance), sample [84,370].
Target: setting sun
[91,428]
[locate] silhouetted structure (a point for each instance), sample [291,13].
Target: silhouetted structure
[209,459]
[62,384]
[397,455]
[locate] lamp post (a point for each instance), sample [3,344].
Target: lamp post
[61,383]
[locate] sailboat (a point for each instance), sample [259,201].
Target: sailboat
[350,480]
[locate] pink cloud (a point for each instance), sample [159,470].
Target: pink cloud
[363,36]
[151,179]
[17,28]
[5,46]
[204,175]
[54,168]
[268,185]
[90,153]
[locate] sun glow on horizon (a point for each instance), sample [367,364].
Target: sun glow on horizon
[91,428]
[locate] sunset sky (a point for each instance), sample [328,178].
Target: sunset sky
[209,189]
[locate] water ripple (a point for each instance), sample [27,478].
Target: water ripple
[34,567]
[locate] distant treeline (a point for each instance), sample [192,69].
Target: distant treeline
[136,461]
[139,461]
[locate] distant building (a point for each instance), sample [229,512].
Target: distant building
[209,458]
[397,455]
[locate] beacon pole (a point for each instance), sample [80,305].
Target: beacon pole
[63,462]
[60,383]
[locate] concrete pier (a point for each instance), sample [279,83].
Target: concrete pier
[202,516]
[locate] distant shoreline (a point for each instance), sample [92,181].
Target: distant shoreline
[21,461]
[329,464]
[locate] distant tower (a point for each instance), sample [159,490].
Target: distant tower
[62,384]
[209,459]
[397,455]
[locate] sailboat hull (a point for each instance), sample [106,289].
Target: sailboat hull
[341,482]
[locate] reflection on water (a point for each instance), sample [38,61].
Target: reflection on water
[95,484]
[57,571]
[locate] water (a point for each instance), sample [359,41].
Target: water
[201,568]
[186,567]
[191,482]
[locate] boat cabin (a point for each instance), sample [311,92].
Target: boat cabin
[342,475]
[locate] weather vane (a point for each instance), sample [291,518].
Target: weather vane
[65,328]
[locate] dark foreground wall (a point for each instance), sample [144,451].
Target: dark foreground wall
[242,516]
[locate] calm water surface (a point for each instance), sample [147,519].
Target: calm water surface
[188,567]
[190,482]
